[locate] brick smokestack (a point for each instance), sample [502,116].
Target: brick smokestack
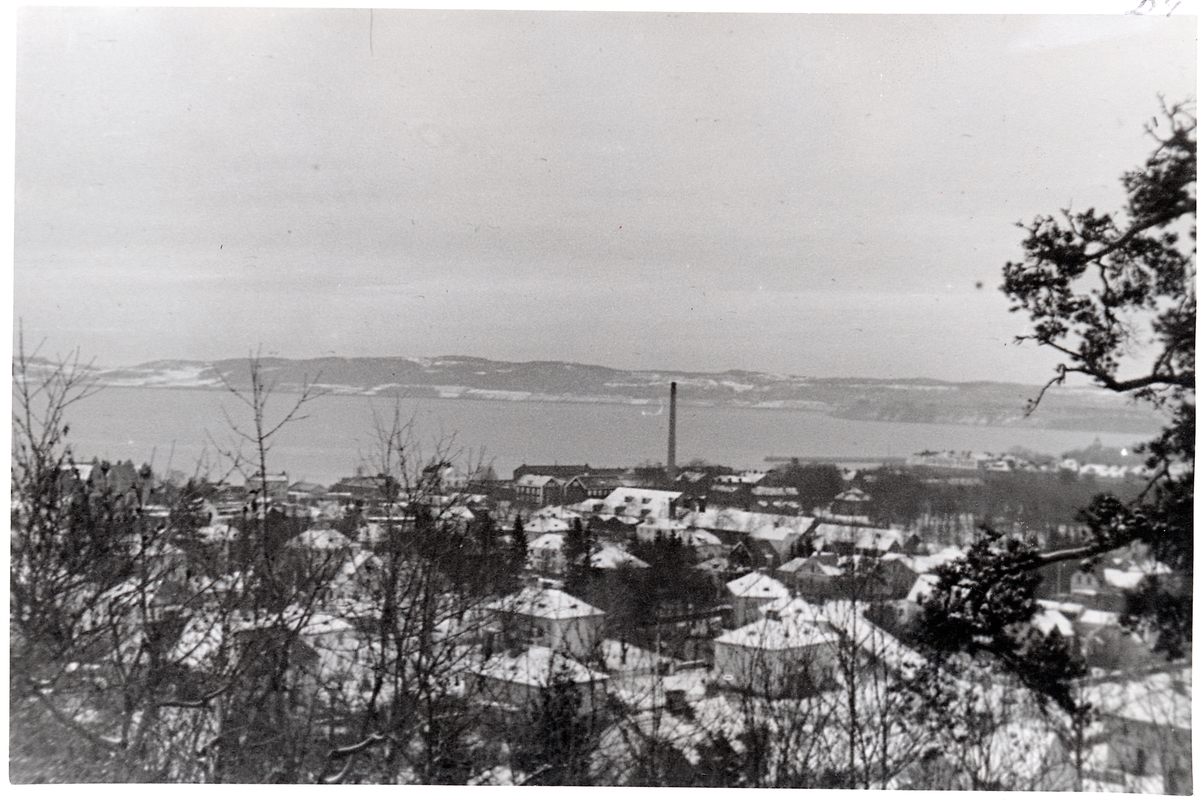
[671,438]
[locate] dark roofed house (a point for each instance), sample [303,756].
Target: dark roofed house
[538,490]
[359,488]
[812,578]
[563,472]
[304,492]
[275,487]
[754,554]
[853,502]
[582,487]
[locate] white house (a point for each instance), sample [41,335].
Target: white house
[652,527]
[545,554]
[780,655]
[752,591]
[781,538]
[552,618]
[642,503]
[518,682]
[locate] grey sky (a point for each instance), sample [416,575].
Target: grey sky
[795,193]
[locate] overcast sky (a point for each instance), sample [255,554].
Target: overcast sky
[804,194]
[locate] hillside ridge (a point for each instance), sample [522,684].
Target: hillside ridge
[905,400]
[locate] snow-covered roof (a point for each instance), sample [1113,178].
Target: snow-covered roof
[621,747]
[640,495]
[795,607]
[778,634]
[793,565]
[547,542]
[847,618]
[636,660]
[542,525]
[773,533]
[694,537]
[1099,618]
[921,588]
[810,565]
[560,512]
[536,667]
[545,602]
[653,524]
[534,480]
[1068,608]
[757,585]
[1048,620]
[926,564]
[879,540]
[1163,699]
[322,539]
[839,532]
[1123,579]
[610,557]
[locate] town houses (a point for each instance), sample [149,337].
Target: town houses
[652,593]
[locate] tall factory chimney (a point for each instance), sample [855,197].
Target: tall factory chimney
[671,438]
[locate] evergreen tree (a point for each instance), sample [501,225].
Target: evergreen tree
[518,551]
[577,550]
[1097,289]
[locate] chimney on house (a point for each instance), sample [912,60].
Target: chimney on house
[671,438]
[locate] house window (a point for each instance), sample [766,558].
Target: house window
[1139,767]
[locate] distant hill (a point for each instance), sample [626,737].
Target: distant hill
[465,377]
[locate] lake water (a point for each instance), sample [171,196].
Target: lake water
[175,428]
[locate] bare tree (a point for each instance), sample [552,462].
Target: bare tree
[424,617]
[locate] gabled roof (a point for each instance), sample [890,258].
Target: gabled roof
[773,533]
[757,585]
[618,495]
[803,565]
[693,537]
[610,557]
[779,634]
[546,603]
[847,617]
[546,525]
[794,607]
[550,540]
[597,482]
[1048,620]
[921,588]
[879,541]
[539,481]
